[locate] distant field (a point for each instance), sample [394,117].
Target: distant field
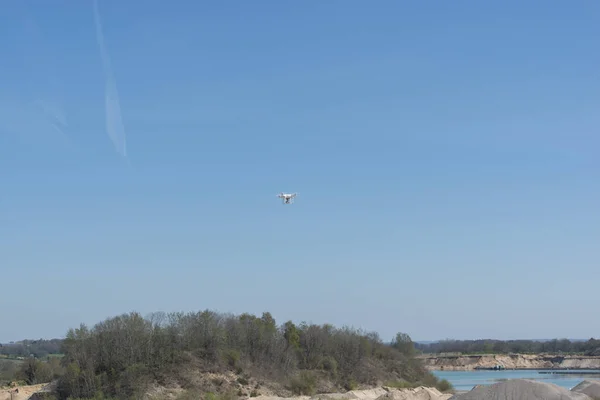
[8,368]
[5,362]
[5,358]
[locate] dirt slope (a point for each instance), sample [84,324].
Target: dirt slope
[21,392]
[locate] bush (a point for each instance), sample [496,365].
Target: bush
[225,396]
[43,396]
[232,357]
[304,384]
[8,371]
[189,395]
[35,371]
[330,365]
[400,385]
[350,384]
[444,386]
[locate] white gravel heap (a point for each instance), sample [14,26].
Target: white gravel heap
[589,387]
[521,389]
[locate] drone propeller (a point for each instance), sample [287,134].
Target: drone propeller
[286,195]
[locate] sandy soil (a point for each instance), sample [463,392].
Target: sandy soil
[420,393]
[24,392]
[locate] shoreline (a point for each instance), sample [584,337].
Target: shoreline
[566,371]
[502,362]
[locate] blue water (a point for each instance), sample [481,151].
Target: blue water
[466,380]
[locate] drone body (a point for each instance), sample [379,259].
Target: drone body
[287,198]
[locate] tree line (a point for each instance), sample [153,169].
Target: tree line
[122,356]
[590,347]
[31,348]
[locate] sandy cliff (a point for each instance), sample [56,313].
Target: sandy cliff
[512,361]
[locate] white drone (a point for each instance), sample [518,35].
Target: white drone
[288,198]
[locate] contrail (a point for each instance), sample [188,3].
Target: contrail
[114,122]
[56,117]
[51,109]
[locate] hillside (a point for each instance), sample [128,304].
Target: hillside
[207,354]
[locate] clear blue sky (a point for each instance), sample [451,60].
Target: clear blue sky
[445,154]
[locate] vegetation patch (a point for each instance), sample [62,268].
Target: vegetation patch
[215,356]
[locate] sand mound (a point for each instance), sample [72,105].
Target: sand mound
[367,394]
[521,389]
[591,388]
[420,393]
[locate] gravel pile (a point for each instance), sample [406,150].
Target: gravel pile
[521,389]
[590,387]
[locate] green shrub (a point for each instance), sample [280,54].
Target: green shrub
[304,384]
[350,384]
[330,365]
[225,396]
[232,357]
[189,395]
[400,385]
[444,386]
